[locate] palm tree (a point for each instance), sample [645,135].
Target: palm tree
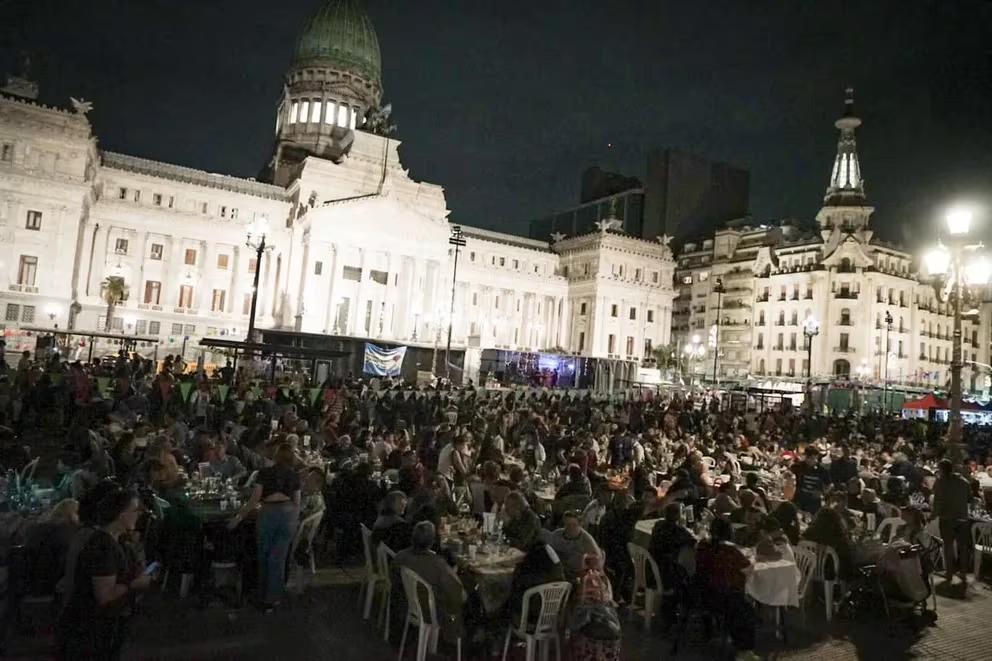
[114,291]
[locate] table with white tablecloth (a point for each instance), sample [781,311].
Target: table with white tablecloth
[774,583]
[493,574]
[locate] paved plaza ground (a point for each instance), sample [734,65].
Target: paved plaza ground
[326,623]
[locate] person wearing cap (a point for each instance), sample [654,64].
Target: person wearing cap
[812,480]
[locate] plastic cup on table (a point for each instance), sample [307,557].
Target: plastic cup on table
[472,551]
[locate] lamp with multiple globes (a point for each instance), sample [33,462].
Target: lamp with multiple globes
[960,265]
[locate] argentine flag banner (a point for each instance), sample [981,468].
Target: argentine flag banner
[383,362]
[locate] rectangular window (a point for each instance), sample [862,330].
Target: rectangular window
[633,314]
[516,264]
[611,346]
[650,316]
[318,268]
[27,270]
[315,109]
[844,339]
[630,345]
[122,193]
[141,327]
[222,261]
[343,116]
[582,308]
[223,211]
[137,196]
[6,152]
[154,327]
[475,298]
[637,275]
[292,113]
[190,257]
[582,341]
[33,221]
[211,331]
[792,367]
[354,117]
[177,329]
[614,311]
[157,199]
[156,251]
[654,277]
[153,292]
[647,346]
[120,246]
[304,111]
[185,296]
[246,305]
[203,208]
[329,113]
[379,277]
[189,329]
[351,273]
[172,201]
[217,302]
[27,314]
[502,261]
[234,213]
[13,312]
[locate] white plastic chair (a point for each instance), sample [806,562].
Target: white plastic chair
[307,530]
[250,482]
[824,555]
[933,529]
[709,462]
[889,528]
[981,537]
[871,523]
[428,625]
[385,556]
[372,577]
[553,597]
[642,561]
[806,563]
[27,473]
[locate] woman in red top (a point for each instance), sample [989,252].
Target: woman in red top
[720,572]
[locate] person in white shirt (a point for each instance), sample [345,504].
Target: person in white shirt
[453,459]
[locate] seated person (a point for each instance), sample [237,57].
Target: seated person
[750,512]
[720,577]
[670,542]
[572,543]
[772,542]
[437,573]
[577,484]
[390,527]
[47,544]
[223,465]
[594,511]
[541,565]
[752,482]
[828,528]
[787,515]
[521,526]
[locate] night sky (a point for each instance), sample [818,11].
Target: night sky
[504,103]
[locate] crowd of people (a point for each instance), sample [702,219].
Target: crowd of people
[404,461]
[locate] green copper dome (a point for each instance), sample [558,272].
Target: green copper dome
[342,35]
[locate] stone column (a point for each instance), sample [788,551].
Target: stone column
[356,324]
[301,292]
[389,295]
[330,318]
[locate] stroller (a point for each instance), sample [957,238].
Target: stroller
[901,580]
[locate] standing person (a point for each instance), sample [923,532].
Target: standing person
[277,488]
[951,493]
[812,480]
[92,623]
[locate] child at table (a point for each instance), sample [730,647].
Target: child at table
[594,621]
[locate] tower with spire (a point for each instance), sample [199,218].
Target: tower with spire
[845,212]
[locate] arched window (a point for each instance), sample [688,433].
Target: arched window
[842,368]
[845,265]
[845,317]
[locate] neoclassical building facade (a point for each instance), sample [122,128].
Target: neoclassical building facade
[878,318]
[357,247]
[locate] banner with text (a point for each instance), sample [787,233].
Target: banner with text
[383,362]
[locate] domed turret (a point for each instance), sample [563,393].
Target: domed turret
[334,81]
[340,35]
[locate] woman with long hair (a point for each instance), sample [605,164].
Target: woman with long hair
[277,495]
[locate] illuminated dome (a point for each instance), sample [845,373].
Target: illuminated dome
[341,35]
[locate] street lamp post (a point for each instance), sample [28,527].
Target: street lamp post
[885,385]
[256,241]
[976,272]
[719,289]
[457,239]
[810,329]
[694,350]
